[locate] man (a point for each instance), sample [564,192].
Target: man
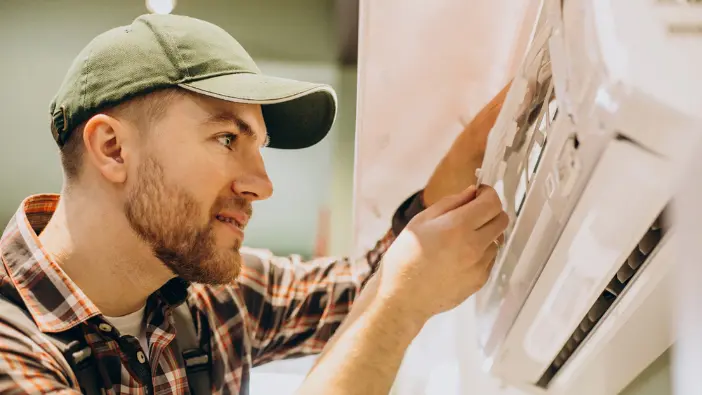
[160,126]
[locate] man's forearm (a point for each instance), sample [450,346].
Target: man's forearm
[365,354]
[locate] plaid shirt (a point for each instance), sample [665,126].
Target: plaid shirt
[278,308]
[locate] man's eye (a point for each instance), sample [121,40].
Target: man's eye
[227,140]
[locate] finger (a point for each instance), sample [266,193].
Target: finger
[485,207]
[482,209]
[493,230]
[450,203]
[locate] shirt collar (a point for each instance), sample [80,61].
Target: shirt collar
[55,302]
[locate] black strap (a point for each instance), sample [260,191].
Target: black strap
[77,355]
[196,350]
[80,358]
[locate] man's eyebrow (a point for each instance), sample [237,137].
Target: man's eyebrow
[229,118]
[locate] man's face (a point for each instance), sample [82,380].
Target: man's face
[190,191]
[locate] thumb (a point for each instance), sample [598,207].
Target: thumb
[450,202]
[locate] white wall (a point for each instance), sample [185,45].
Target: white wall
[424,70]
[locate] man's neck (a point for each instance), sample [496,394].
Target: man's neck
[99,251]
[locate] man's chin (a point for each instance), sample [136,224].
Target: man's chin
[224,270]
[225,245]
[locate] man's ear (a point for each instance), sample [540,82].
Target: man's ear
[104,138]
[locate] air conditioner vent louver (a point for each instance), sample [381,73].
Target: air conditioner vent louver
[609,295]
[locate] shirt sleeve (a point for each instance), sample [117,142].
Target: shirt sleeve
[28,367]
[294,307]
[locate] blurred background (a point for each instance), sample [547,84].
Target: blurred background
[407,66]
[298,39]
[314,40]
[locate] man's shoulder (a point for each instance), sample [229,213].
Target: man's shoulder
[23,345]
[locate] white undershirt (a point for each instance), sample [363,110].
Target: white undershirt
[133,325]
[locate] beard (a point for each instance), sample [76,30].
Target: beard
[165,217]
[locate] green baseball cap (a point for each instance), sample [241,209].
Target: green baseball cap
[162,51]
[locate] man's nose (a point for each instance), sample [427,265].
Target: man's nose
[253,183]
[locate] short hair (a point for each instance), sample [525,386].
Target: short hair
[143,110]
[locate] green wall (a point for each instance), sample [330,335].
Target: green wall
[654,380]
[343,155]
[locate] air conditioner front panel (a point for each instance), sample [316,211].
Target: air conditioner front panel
[588,253]
[522,258]
[517,142]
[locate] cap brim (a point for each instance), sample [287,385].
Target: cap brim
[297,114]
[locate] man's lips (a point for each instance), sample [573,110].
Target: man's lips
[235,218]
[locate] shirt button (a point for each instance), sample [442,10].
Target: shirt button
[105,327]
[141,357]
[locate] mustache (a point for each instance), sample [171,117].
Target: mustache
[234,204]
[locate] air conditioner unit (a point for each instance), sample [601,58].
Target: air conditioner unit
[585,155]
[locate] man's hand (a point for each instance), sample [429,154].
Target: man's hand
[444,255]
[456,171]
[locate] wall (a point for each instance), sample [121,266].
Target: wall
[40,38]
[413,102]
[343,155]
